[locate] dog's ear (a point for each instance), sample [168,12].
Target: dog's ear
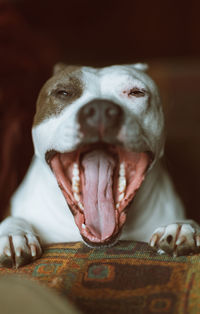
[141,66]
[59,67]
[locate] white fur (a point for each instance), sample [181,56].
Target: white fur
[39,201]
[108,83]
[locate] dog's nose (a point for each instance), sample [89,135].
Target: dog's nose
[100,116]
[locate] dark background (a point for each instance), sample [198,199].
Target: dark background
[36,34]
[99,32]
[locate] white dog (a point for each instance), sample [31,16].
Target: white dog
[97,133]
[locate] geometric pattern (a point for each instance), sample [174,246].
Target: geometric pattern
[127,278]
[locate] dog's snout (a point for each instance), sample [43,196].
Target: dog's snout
[100,115]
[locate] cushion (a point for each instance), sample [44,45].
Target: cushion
[127,278]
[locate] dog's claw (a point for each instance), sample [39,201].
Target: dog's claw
[197,238]
[18,250]
[175,254]
[33,250]
[153,240]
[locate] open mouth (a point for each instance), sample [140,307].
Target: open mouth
[98,182]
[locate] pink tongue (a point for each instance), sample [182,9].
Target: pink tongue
[97,190]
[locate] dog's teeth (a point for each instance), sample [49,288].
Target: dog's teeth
[80,206]
[75,170]
[122,170]
[75,185]
[117,205]
[75,181]
[83,226]
[121,188]
[122,184]
[75,189]
[77,197]
[121,196]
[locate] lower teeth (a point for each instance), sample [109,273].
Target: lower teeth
[80,206]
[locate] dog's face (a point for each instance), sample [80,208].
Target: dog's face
[99,130]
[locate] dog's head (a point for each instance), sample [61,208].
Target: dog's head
[100,131]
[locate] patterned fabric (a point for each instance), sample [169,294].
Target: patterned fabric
[127,278]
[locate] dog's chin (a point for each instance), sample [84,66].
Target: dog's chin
[98,182]
[109,243]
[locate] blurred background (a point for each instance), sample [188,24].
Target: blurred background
[34,35]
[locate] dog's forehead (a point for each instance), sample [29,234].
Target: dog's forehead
[114,76]
[87,83]
[90,78]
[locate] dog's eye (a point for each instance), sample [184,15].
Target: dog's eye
[62,93]
[137,92]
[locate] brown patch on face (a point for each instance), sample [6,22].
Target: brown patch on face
[61,90]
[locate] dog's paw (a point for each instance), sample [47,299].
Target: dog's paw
[18,250]
[176,239]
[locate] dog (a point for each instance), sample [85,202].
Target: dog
[96,175]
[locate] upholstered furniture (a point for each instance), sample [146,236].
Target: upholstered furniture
[127,278]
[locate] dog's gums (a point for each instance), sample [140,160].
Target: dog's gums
[98,182]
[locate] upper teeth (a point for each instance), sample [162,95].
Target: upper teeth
[121,182]
[75,170]
[75,179]
[77,197]
[122,170]
[80,205]
[121,196]
[76,185]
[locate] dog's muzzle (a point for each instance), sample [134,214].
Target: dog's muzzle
[100,178]
[100,118]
